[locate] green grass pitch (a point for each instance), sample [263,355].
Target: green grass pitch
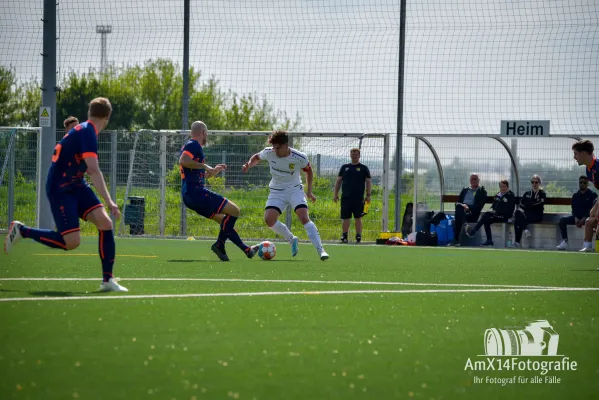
[372,322]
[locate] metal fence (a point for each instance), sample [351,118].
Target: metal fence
[18,175]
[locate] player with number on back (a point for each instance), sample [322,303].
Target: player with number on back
[72,198]
[584,155]
[286,189]
[206,203]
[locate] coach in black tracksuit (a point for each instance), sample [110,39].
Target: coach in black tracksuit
[530,210]
[352,180]
[502,209]
[469,205]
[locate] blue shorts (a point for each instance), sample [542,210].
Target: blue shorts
[205,202]
[67,207]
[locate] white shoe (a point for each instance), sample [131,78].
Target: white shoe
[527,234]
[516,245]
[294,246]
[13,236]
[563,245]
[586,250]
[112,286]
[323,255]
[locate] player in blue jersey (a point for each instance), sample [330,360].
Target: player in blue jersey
[70,123]
[72,198]
[206,203]
[583,154]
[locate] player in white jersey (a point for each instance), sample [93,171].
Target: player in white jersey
[286,189]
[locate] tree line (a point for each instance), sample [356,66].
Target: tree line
[147,97]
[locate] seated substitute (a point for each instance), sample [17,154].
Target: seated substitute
[502,209]
[468,207]
[582,203]
[530,210]
[351,180]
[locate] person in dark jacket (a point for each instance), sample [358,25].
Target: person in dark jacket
[502,209]
[530,210]
[582,202]
[468,207]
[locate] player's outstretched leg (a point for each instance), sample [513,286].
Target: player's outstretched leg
[312,232]
[106,249]
[227,230]
[271,217]
[47,237]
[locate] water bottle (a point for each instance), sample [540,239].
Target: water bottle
[509,239]
[366,207]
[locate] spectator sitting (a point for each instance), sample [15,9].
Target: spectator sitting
[530,210]
[502,209]
[468,207]
[582,202]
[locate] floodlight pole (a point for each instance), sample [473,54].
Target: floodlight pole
[47,139]
[185,99]
[103,30]
[400,93]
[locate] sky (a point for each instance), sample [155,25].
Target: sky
[468,64]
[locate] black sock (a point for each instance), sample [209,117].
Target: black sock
[107,249]
[228,226]
[344,235]
[222,238]
[46,237]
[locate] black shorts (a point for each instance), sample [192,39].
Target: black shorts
[351,207]
[67,207]
[205,202]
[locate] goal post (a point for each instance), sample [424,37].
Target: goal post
[153,182]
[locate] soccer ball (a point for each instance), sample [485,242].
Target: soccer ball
[267,250]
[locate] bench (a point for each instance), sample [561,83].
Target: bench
[549,220]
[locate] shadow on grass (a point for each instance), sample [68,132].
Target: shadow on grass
[217,261]
[50,293]
[54,293]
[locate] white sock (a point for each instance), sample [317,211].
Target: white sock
[313,235]
[281,229]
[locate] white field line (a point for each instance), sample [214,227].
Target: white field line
[250,294]
[475,285]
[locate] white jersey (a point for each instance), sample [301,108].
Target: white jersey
[285,171]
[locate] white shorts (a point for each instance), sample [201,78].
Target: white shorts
[293,196]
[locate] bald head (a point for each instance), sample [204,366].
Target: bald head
[198,127]
[199,132]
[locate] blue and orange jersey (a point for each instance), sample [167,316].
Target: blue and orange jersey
[593,173]
[68,160]
[192,179]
